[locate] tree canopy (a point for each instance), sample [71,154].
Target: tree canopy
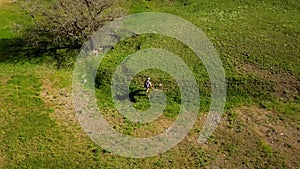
[66,24]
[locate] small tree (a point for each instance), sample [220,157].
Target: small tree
[66,24]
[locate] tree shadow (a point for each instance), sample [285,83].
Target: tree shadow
[132,95]
[17,50]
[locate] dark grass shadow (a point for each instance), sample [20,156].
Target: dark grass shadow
[132,95]
[16,50]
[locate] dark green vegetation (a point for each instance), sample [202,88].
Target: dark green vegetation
[258,43]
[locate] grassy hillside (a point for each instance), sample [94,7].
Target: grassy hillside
[258,43]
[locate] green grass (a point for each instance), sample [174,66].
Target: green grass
[258,42]
[8,17]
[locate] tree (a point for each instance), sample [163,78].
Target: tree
[66,24]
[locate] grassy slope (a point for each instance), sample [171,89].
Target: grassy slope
[39,130]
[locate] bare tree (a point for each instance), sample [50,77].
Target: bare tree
[60,24]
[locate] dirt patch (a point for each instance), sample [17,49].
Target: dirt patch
[4,80]
[5,2]
[281,135]
[120,124]
[250,137]
[60,100]
[2,161]
[154,128]
[287,85]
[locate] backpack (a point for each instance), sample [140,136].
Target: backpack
[147,84]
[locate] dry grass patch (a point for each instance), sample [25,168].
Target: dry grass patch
[250,137]
[286,85]
[2,161]
[61,101]
[5,2]
[154,128]
[281,135]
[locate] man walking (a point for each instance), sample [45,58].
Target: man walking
[147,85]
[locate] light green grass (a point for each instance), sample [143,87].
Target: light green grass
[267,31]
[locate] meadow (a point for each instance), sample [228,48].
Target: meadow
[258,43]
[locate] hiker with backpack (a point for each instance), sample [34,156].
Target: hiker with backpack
[147,85]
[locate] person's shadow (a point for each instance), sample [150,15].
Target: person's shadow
[132,95]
